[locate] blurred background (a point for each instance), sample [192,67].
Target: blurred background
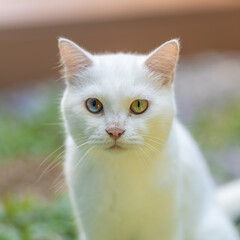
[33,199]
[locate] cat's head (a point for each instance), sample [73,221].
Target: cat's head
[118,102]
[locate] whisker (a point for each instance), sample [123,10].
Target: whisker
[50,156]
[51,166]
[55,182]
[82,158]
[151,147]
[82,144]
[142,159]
[148,157]
[60,187]
[55,162]
[149,136]
[158,142]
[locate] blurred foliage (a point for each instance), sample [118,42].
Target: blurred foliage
[38,134]
[27,218]
[218,129]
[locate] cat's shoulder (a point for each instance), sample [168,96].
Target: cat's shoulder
[186,143]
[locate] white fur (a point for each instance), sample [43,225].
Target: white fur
[158,187]
[229,198]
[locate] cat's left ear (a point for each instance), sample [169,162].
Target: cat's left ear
[163,60]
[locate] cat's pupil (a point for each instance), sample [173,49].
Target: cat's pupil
[138,104]
[94,103]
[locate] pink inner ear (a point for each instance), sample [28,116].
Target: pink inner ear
[164,59]
[73,57]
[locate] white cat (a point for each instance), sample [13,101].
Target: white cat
[133,171]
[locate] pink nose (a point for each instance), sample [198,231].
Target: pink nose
[115,133]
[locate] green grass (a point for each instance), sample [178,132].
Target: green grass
[36,135]
[27,218]
[216,130]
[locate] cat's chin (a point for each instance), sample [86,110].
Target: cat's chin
[116,147]
[121,147]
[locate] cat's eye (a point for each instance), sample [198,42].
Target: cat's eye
[139,106]
[94,105]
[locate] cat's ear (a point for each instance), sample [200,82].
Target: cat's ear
[74,59]
[163,60]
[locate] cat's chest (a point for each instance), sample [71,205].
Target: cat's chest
[113,187]
[131,199]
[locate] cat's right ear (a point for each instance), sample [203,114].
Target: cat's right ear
[163,60]
[73,58]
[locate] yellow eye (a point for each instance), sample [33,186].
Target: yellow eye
[139,106]
[94,105]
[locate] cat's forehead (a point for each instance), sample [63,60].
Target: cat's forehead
[120,68]
[118,76]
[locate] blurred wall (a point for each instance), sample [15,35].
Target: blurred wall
[29,53]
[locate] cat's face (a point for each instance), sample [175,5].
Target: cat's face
[117,102]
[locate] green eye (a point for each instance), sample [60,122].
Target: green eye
[139,106]
[94,105]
